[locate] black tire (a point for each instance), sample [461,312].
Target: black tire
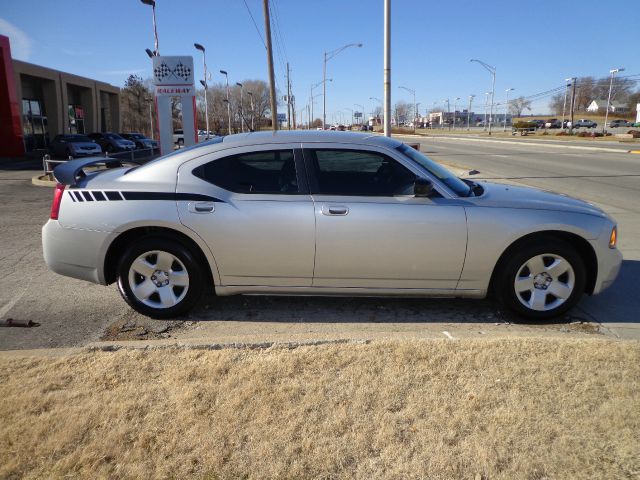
[108,148]
[195,275]
[180,142]
[506,290]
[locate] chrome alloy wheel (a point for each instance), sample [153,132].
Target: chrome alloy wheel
[158,279]
[544,282]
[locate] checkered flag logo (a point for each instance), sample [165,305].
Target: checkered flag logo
[182,71]
[162,71]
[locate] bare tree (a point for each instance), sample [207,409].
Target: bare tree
[402,111]
[518,105]
[134,105]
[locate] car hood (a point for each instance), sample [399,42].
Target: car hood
[512,196]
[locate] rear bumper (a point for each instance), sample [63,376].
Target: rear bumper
[73,252]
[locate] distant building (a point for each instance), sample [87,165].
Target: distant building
[38,103]
[600,105]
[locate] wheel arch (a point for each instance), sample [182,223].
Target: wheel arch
[119,244]
[582,246]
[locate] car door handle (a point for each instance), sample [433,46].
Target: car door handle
[201,207]
[335,210]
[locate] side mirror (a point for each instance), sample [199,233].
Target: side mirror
[422,187]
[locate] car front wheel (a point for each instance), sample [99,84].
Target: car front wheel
[543,280]
[160,278]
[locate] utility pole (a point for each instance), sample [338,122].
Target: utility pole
[573,100]
[387,68]
[564,103]
[288,98]
[272,82]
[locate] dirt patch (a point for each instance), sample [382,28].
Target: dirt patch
[508,408]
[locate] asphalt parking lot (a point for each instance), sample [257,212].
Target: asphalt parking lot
[65,312]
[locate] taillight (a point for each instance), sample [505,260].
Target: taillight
[57,200]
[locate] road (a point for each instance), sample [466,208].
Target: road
[73,313]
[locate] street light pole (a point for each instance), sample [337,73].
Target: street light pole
[413,92]
[455,102]
[328,56]
[506,108]
[241,108]
[492,71]
[152,3]
[606,115]
[361,111]
[471,97]
[204,84]
[253,113]
[448,113]
[226,76]
[486,109]
[387,68]
[314,86]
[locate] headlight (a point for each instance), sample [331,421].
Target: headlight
[613,238]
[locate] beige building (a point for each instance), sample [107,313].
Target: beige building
[54,102]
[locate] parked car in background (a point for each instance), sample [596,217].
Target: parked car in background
[178,138]
[112,142]
[319,213]
[538,123]
[620,123]
[637,124]
[553,123]
[74,145]
[140,140]
[583,122]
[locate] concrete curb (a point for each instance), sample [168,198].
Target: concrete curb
[534,144]
[38,181]
[203,344]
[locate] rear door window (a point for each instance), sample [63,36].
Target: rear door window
[267,172]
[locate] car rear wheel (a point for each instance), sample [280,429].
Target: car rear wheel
[542,280]
[160,278]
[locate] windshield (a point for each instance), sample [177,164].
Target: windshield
[78,139]
[437,170]
[113,136]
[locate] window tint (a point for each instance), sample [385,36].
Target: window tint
[258,172]
[352,172]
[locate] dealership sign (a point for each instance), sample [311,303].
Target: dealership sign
[173,77]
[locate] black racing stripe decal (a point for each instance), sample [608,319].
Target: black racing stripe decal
[72,197]
[113,195]
[89,196]
[168,196]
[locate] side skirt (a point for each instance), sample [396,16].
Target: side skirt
[346,292]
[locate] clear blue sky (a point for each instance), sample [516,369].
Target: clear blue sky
[535,45]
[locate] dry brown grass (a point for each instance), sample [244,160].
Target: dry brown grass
[512,408]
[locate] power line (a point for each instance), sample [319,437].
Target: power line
[254,23]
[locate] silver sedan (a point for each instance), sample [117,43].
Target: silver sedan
[321,213]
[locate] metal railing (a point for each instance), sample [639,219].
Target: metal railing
[142,155]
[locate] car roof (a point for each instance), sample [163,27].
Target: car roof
[308,136]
